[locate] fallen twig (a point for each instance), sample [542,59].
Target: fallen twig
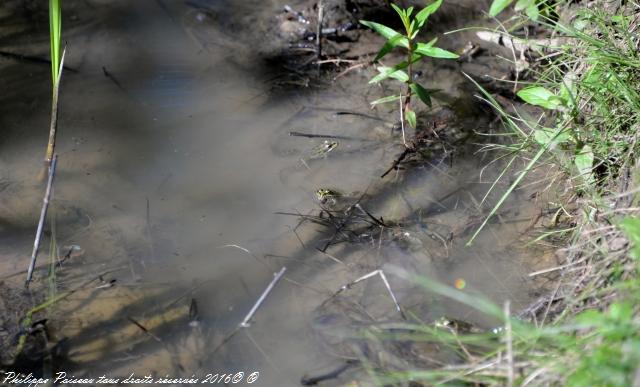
[113,79]
[333,374]
[511,42]
[277,276]
[338,137]
[377,221]
[144,329]
[33,59]
[380,273]
[397,161]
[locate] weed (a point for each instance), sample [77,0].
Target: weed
[414,52]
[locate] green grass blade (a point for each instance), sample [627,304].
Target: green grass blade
[513,186]
[55,31]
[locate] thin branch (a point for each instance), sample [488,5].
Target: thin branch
[245,323]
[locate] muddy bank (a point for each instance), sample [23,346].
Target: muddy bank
[177,168]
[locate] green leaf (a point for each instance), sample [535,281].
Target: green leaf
[410,115]
[409,11]
[390,45]
[533,12]
[427,11]
[385,31]
[387,99]
[590,318]
[434,52]
[498,6]
[391,72]
[539,96]
[403,15]
[522,4]
[621,312]
[550,137]
[422,93]
[413,31]
[584,162]
[55,30]
[568,89]
[631,228]
[399,75]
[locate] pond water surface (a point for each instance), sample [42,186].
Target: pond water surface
[175,165]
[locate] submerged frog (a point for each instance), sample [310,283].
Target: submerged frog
[321,150]
[335,200]
[327,196]
[456,326]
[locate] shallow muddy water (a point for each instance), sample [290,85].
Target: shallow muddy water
[175,166]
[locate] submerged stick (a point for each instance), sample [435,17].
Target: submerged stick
[32,59]
[144,329]
[113,79]
[337,137]
[43,214]
[276,277]
[333,374]
[397,161]
[343,112]
[374,273]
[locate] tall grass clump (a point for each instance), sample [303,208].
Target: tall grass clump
[588,92]
[586,330]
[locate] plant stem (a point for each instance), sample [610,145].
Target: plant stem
[54,113]
[404,107]
[43,215]
[409,71]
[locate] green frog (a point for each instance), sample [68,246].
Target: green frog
[456,326]
[327,196]
[335,200]
[321,150]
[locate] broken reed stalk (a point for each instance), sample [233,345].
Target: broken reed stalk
[276,277]
[382,276]
[53,125]
[43,215]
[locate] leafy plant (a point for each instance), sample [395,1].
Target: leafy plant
[414,51]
